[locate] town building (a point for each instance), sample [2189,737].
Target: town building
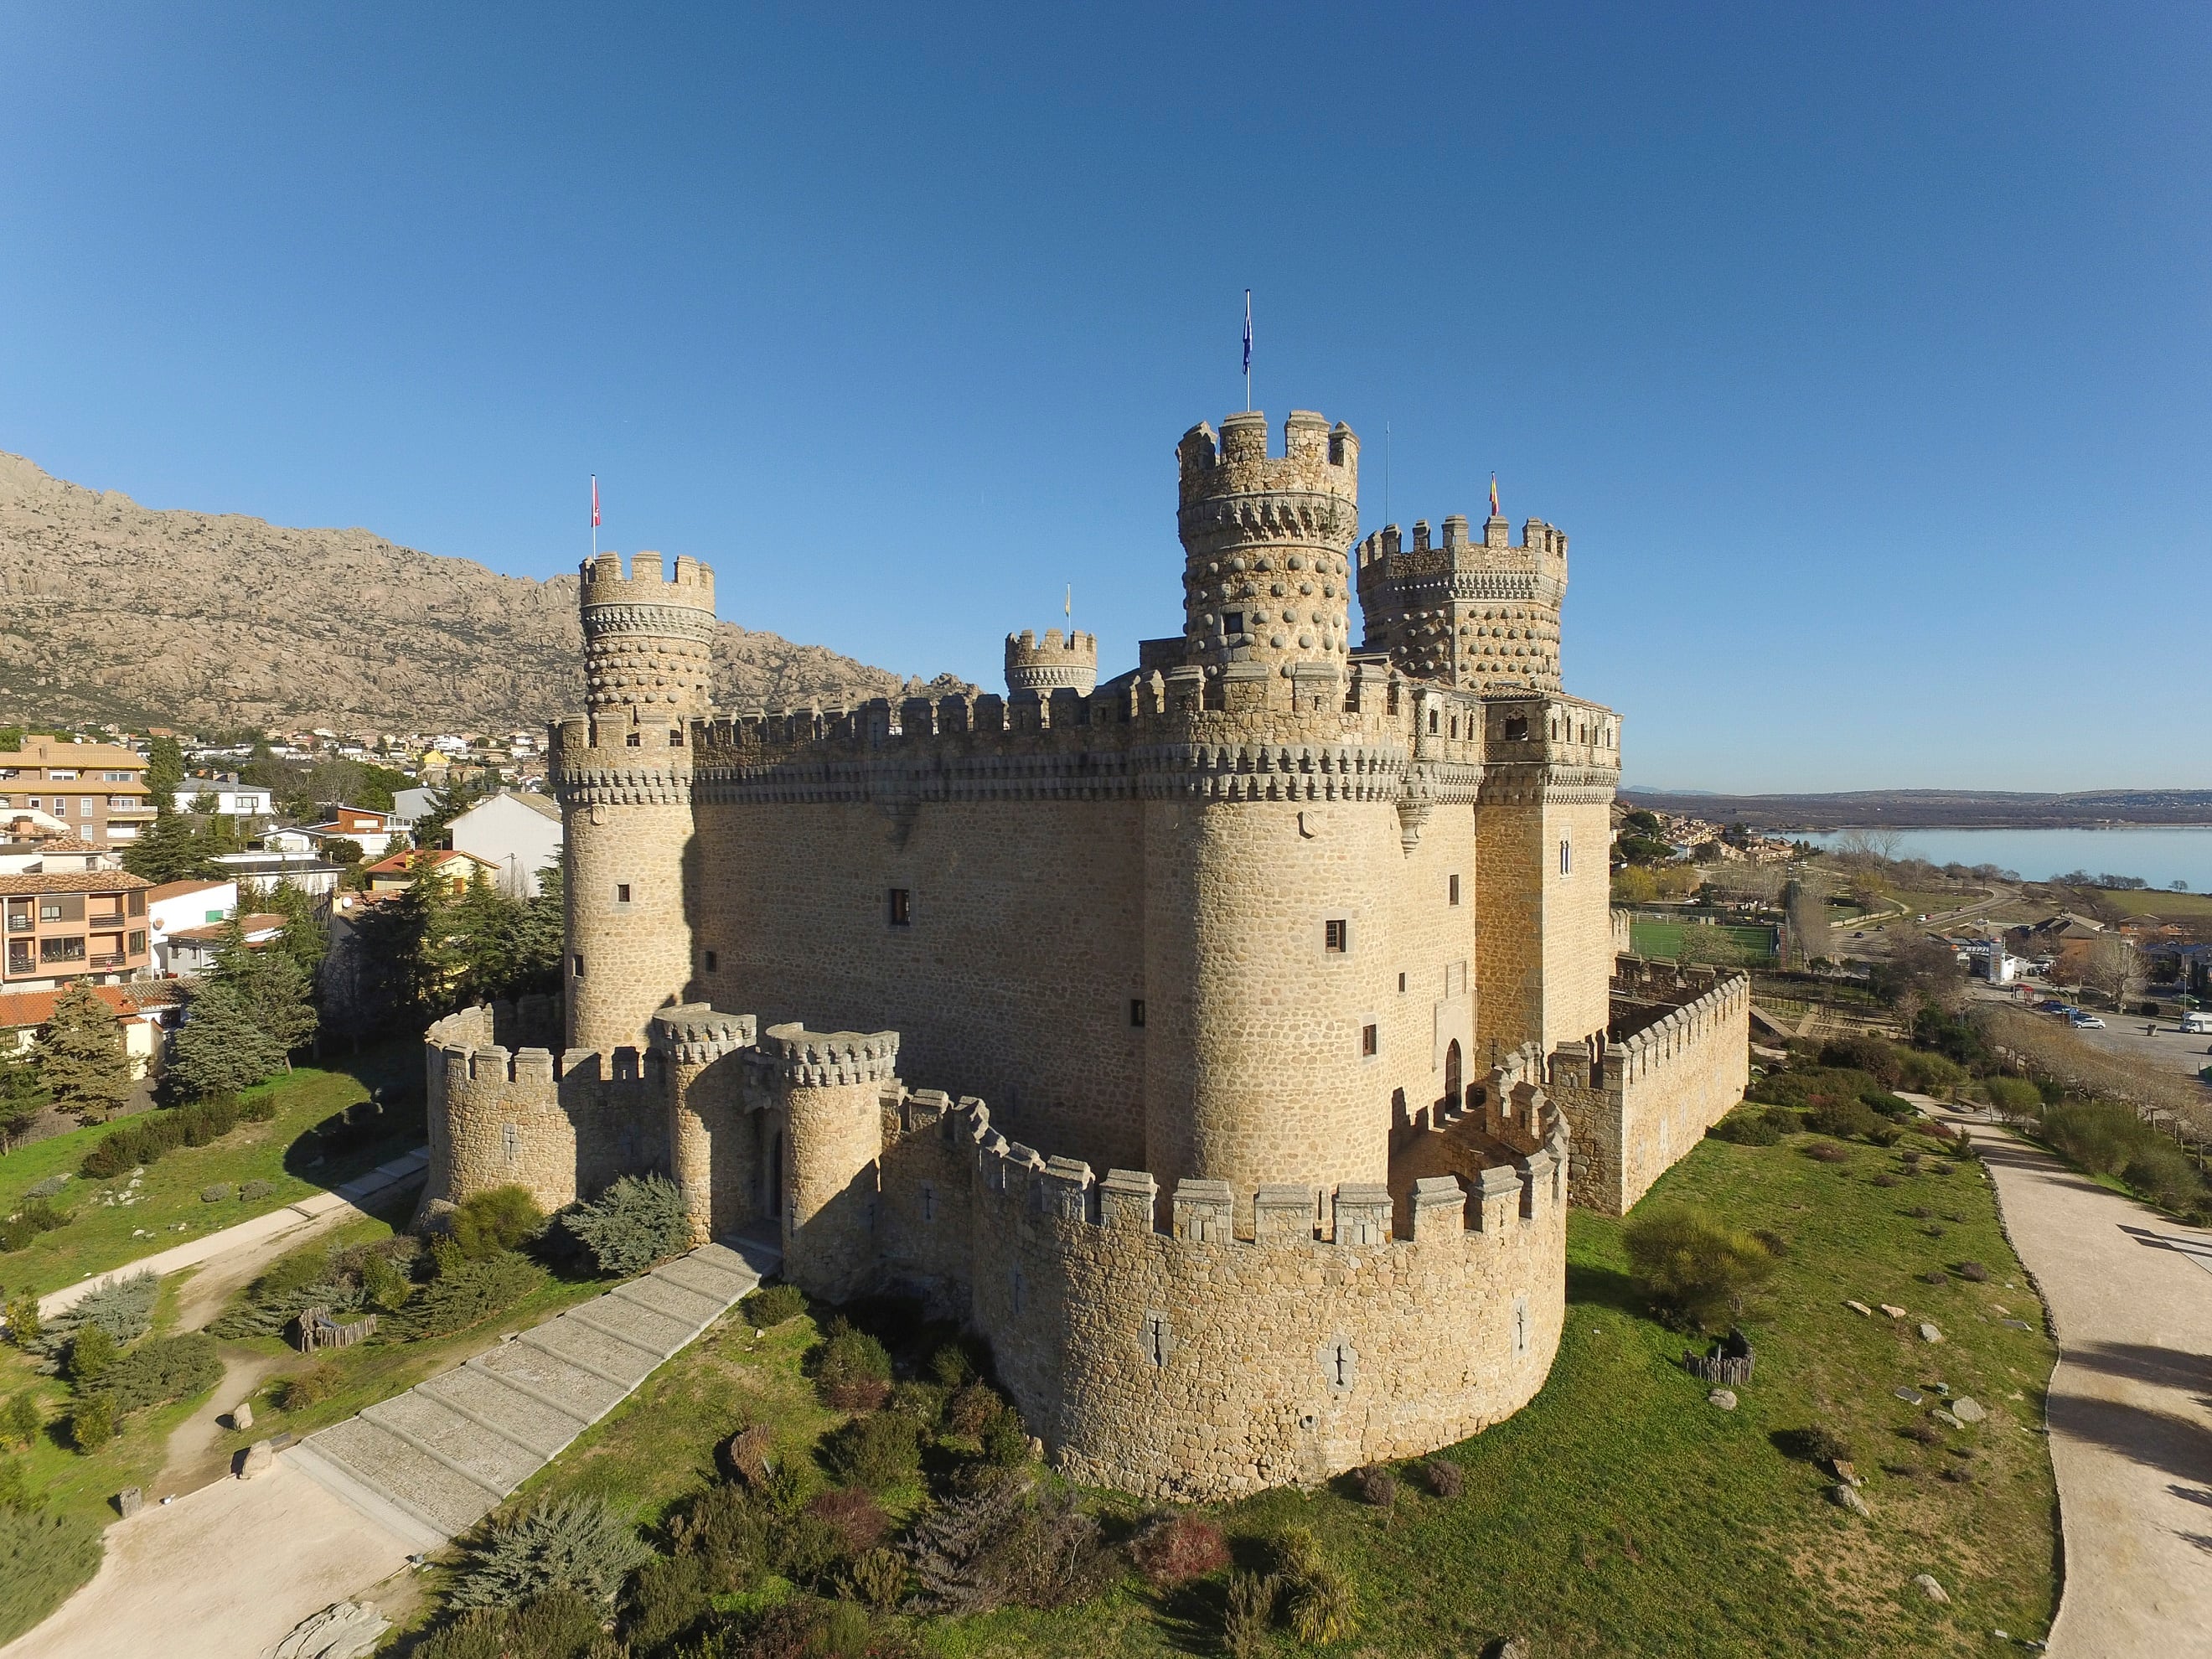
[1283,960]
[259,872]
[98,790]
[32,847]
[68,925]
[224,796]
[147,1010]
[517,833]
[176,907]
[388,877]
[190,951]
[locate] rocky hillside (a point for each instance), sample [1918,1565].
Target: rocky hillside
[112,612]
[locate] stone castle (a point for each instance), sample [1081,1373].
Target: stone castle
[1283,962]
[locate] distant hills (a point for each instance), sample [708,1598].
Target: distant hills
[113,612]
[1932,809]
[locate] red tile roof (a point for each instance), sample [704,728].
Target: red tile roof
[169,890]
[74,881]
[24,1009]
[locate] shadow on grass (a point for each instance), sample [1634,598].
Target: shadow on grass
[1606,1287]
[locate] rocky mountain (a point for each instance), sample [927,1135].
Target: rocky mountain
[113,612]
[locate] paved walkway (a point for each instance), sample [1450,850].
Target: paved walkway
[315,1206]
[223,1572]
[2130,1402]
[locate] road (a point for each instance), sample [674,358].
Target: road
[2129,1404]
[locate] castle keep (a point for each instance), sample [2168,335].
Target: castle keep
[1223,1040]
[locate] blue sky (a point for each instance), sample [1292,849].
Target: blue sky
[1862,351]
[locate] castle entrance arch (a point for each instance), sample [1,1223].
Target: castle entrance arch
[1455,1094]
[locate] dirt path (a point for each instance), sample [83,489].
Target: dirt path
[2130,1402]
[199,1446]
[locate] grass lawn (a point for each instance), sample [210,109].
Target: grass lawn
[167,1209]
[2155,902]
[1619,1513]
[1664,940]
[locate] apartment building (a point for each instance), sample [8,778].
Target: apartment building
[67,925]
[96,790]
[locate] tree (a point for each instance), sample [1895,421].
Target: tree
[1805,903]
[448,802]
[164,769]
[2111,969]
[220,1049]
[81,1057]
[277,993]
[345,852]
[303,940]
[1919,970]
[22,1096]
[169,850]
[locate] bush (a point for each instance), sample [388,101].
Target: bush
[472,1293]
[1827,1152]
[664,1598]
[145,1139]
[33,1217]
[876,1578]
[1973,1271]
[312,1386]
[971,1409]
[1006,1442]
[953,1366]
[1842,1119]
[501,1219]
[91,1352]
[638,1222]
[1174,1549]
[1694,1266]
[879,1450]
[162,1369]
[1316,1596]
[1247,1615]
[729,1533]
[42,1558]
[262,1109]
[383,1287]
[1936,1276]
[854,1514]
[217,1193]
[92,1423]
[773,1305]
[50,1188]
[2098,1136]
[254,1191]
[2015,1096]
[1445,1478]
[558,1624]
[577,1544]
[24,1324]
[1929,1073]
[1746,1129]
[1875,1056]
[21,1419]
[1376,1485]
[1003,1541]
[852,1369]
[124,1309]
[2161,1172]
[1820,1444]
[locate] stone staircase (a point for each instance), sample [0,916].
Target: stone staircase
[432,1461]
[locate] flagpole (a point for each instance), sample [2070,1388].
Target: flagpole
[1248,351]
[595,515]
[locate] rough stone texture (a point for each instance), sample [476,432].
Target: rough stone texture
[256,1459]
[1929,1587]
[1309,949]
[242,1415]
[129,1501]
[1847,1496]
[1968,1410]
[344,1630]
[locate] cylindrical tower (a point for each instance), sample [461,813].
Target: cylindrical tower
[624,776]
[1264,576]
[831,1084]
[1045,667]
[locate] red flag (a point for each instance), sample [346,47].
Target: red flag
[595,501]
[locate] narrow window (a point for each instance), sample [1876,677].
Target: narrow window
[1432,722]
[1455,890]
[711,963]
[576,964]
[1566,857]
[513,1143]
[1332,934]
[1368,1041]
[1402,985]
[634,739]
[1136,1010]
[928,1202]
[621,892]
[1017,1290]
[902,908]
[1156,1338]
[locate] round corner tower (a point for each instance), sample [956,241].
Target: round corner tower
[623,771]
[1265,576]
[1047,666]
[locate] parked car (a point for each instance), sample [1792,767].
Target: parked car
[2050,1005]
[2087,1023]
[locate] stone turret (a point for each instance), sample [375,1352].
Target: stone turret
[1482,615]
[1265,577]
[623,772]
[830,1085]
[1046,666]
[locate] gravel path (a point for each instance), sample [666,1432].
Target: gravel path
[2130,1402]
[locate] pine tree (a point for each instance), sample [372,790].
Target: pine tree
[276,993]
[539,938]
[81,1058]
[221,1049]
[484,924]
[304,939]
[167,851]
[165,769]
[21,1095]
[448,802]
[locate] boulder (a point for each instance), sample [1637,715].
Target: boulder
[1724,1398]
[1860,1307]
[129,1501]
[1968,1410]
[1929,1587]
[1946,1418]
[258,1459]
[1845,1497]
[344,1630]
[242,1415]
[1892,1311]
[1929,1333]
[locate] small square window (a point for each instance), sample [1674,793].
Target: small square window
[1232,622]
[711,962]
[902,908]
[674,737]
[634,739]
[1370,1041]
[1333,936]
[1455,890]
[621,892]
[577,966]
[1136,1010]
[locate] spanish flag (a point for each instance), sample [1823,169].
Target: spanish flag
[1493,494]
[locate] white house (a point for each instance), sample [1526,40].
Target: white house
[232,799]
[193,951]
[259,872]
[175,906]
[518,832]
[409,804]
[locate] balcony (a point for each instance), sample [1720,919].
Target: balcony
[19,923]
[113,920]
[112,959]
[18,962]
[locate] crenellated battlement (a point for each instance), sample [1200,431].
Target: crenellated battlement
[1659,1018]
[1452,607]
[827,1060]
[690,584]
[1043,666]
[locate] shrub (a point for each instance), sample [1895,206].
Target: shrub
[854,1514]
[2161,1172]
[42,1558]
[144,1139]
[1316,1595]
[1174,1549]
[1842,1119]
[254,1191]
[2013,1095]
[806,1549]
[91,1351]
[1445,1478]
[50,1188]
[2098,1136]
[773,1305]
[1746,1129]
[1006,1442]
[1927,1073]
[21,1419]
[1820,1444]
[877,1577]
[558,1624]
[972,1408]
[576,1544]
[1867,1053]
[92,1423]
[1827,1152]
[879,1451]
[852,1369]
[124,1309]
[729,1533]
[500,1219]
[216,1192]
[1247,1615]
[24,1324]
[312,1386]
[639,1221]
[472,1293]
[1376,1485]
[953,1366]
[1925,1433]
[664,1598]
[1885,1179]
[162,1369]
[1973,1271]
[383,1287]
[33,1217]
[262,1109]
[1694,1266]
[16,1491]
[1936,1276]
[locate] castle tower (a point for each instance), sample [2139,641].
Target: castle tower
[1045,667]
[829,1086]
[623,772]
[1265,577]
[1482,615]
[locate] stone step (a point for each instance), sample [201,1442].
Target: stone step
[695,1309]
[621,1363]
[626,1321]
[570,1387]
[755,1258]
[485,1455]
[518,1414]
[723,1283]
[413,1479]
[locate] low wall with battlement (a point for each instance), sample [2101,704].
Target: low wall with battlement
[1160,1348]
[1676,1057]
